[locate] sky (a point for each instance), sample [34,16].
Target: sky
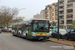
[32,6]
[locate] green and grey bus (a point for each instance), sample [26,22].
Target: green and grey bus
[32,29]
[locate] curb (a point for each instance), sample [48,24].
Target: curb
[63,43]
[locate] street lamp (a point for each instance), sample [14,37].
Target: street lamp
[21,9]
[58,19]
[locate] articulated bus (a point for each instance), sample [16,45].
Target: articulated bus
[32,29]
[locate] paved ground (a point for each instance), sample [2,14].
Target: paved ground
[9,42]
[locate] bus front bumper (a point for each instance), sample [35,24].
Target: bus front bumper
[40,37]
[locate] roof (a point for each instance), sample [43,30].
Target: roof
[23,22]
[39,19]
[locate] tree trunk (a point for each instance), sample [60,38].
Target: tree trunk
[7,28]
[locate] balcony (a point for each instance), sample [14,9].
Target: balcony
[46,12]
[69,12]
[47,17]
[62,9]
[69,17]
[69,22]
[70,6]
[61,3]
[69,2]
[61,13]
[61,17]
[61,24]
[61,0]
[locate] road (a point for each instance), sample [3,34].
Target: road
[10,42]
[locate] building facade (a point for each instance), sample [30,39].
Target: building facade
[51,12]
[37,16]
[66,13]
[42,14]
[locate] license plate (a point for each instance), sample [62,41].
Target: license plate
[41,38]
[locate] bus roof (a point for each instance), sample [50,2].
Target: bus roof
[23,22]
[39,19]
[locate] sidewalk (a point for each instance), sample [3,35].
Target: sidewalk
[0,45]
[63,41]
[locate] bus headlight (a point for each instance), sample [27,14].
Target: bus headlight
[48,34]
[33,34]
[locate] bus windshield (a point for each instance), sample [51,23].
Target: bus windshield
[40,27]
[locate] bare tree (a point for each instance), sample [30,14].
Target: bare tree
[6,15]
[19,19]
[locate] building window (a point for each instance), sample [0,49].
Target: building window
[52,14]
[69,21]
[62,2]
[61,7]
[52,10]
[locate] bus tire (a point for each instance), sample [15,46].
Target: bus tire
[19,35]
[66,38]
[13,34]
[26,36]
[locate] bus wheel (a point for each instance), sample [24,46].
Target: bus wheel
[66,38]
[19,35]
[13,34]
[26,36]
[41,39]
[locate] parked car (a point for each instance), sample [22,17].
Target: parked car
[61,33]
[50,31]
[10,29]
[68,30]
[0,30]
[70,34]
[4,30]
